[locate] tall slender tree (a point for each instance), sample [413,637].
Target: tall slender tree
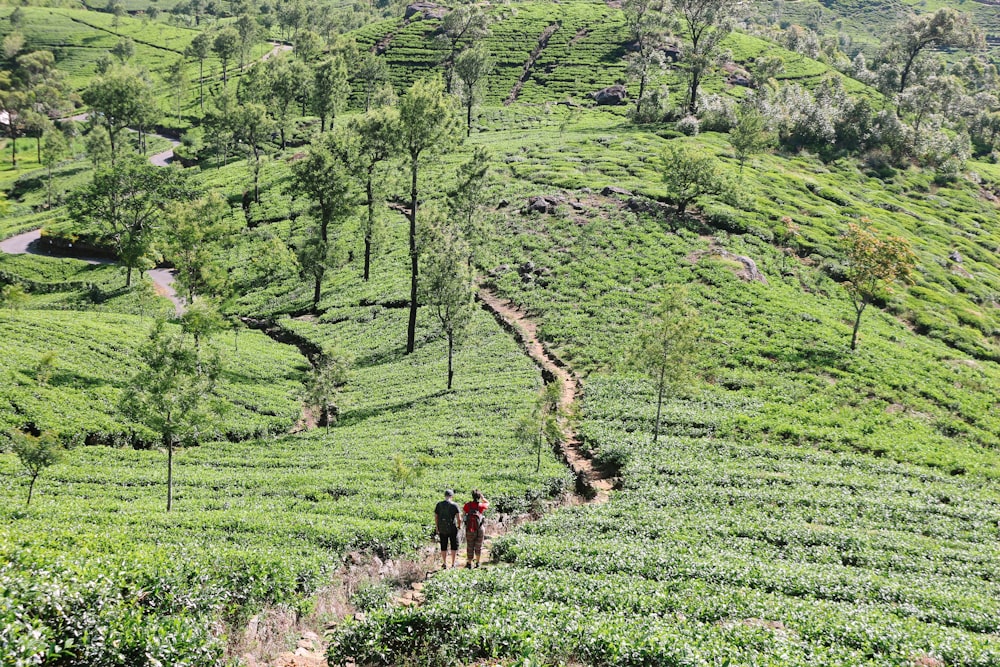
[704,24]
[666,346]
[322,176]
[331,89]
[472,67]
[648,24]
[171,393]
[226,46]
[427,125]
[377,143]
[466,23]
[447,283]
[199,49]
[874,263]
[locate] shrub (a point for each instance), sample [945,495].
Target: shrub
[689,126]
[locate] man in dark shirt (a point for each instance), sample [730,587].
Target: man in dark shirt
[447,520]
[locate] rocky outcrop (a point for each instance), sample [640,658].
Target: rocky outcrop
[425,10]
[543,204]
[611,96]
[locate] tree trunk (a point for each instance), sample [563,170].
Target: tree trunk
[317,289]
[13,150]
[256,177]
[322,122]
[282,138]
[693,91]
[201,84]
[538,451]
[38,148]
[468,116]
[31,488]
[369,190]
[642,88]
[411,327]
[857,325]
[128,276]
[451,349]
[170,472]
[659,404]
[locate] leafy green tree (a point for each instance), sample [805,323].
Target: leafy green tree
[704,24]
[323,385]
[377,143]
[331,88]
[323,177]
[177,80]
[117,11]
[55,148]
[193,241]
[124,50]
[468,198]
[648,25]
[12,45]
[202,320]
[251,125]
[447,284]
[126,201]
[666,346]
[946,27]
[120,98]
[199,49]
[472,67]
[35,453]
[219,123]
[308,46]
[98,146]
[689,175]
[540,427]
[874,264]
[466,23]
[248,30]
[226,46]
[372,72]
[171,393]
[427,124]
[14,103]
[750,135]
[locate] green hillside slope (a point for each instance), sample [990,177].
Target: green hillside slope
[805,503]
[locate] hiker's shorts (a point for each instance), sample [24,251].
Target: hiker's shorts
[446,539]
[474,543]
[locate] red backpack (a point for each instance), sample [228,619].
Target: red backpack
[475,519]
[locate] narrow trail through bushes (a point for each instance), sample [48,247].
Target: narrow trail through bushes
[592,483]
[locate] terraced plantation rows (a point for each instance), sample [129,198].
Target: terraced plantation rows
[805,502]
[717,551]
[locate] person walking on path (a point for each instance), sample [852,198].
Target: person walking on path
[475,527]
[447,521]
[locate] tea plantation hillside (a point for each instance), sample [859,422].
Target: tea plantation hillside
[793,501]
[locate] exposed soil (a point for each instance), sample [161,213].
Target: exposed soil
[543,41]
[593,482]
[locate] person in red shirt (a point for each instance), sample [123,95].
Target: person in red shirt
[475,527]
